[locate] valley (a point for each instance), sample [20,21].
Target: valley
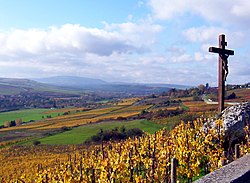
[58,134]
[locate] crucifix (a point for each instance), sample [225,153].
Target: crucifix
[223,69]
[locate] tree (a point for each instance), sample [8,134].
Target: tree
[18,121]
[196,98]
[13,123]
[9,123]
[36,142]
[6,124]
[54,104]
[201,88]
[231,96]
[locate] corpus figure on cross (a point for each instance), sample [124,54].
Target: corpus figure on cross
[225,65]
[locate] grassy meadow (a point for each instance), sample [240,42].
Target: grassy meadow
[26,115]
[80,134]
[34,114]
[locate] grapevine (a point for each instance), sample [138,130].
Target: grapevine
[139,159]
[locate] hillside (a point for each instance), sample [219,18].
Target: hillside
[10,86]
[147,157]
[65,91]
[71,81]
[93,84]
[77,85]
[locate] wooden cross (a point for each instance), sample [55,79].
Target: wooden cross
[223,69]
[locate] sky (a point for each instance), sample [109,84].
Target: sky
[142,41]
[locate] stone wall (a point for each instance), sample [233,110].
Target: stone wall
[234,119]
[236,172]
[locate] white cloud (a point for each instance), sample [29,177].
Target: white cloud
[174,50]
[203,34]
[198,56]
[241,9]
[166,9]
[223,11]
[77,50]
[136,33]
[181,58]
[123,38]
[210,35]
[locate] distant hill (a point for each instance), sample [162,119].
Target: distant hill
[18,82]
[83,82]
[77,85]
[100,85]
[170,86]
[71,81]
[9,86]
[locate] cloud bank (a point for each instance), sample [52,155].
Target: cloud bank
[222,11]
[169,45]
[75,49]
[115,38]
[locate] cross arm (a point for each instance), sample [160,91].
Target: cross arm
[221,51]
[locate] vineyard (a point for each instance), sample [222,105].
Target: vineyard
[69,118]
[141,159]
[145,158]
[81,118]
[199,106]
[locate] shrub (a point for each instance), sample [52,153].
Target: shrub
[196,98]
[134,132]
[9,124]
[18,121]
[231,96]
[65,128]
[115,134]
[36,142]
[66,113]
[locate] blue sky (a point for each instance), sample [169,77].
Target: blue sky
[144,41]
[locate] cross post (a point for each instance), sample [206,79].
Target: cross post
[223,69]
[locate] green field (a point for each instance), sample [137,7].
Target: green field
[26,115]
[80,134]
